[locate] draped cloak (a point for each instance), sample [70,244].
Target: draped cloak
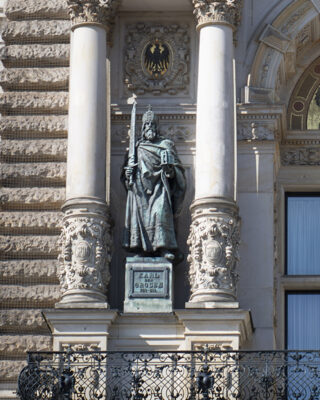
[153,199]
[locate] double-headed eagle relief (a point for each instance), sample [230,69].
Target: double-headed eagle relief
[156,58]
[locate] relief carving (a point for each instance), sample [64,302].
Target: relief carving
[30,221]
[300,156]
[256,131]
[213,11]
[81,347]
[86,249]
[157,58]
[19,246]
[214,242]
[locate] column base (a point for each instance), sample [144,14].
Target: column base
[212,304]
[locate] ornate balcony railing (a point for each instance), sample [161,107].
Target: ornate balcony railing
[204,375]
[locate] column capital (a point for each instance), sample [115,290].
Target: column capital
[208,12]
[100,12]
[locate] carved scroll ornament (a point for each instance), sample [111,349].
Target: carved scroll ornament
[217,11]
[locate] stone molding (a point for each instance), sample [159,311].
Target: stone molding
[41,149]
[176,79]
[38,174]
[35,78]
[16,9]
[44,271]
[214,243]
[208,12]
[34,125]
[28,296]
[24,221]
[15,55]
[34,102]
[21,246]
[92,12]
[20,344]
[85,250]
[31,198]
[40,31]
[10,369]
[23,320]
[177,133]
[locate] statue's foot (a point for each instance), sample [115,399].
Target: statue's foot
[166,254]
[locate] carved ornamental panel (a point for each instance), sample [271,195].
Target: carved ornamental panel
[156,58]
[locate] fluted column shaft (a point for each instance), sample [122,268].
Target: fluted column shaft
[214,235]
[86,239]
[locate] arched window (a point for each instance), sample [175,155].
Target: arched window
[304,106]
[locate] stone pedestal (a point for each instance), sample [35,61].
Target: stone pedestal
[82,329]
[220,329]
[148,285]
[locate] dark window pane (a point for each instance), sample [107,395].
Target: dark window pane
[303,235]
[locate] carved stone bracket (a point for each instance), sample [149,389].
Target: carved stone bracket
[86,251]
[92,12]
[214,241]
[208,12]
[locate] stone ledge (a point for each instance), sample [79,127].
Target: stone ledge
[36,31]
[36,174]
[34,102]
[35,150]
[35,78]
[17,9]
[30,222]
[28,246]
[31,198]
[24,271]
[56,125]
[23,320]
[35,54]
[29,296]
[18,345]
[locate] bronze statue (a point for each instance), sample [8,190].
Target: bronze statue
[154,178]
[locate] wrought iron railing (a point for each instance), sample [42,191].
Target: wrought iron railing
[217,375]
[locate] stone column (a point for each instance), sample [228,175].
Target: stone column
[86,239]
[214,235]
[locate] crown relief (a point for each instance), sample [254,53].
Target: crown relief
[213,11]
[92,11]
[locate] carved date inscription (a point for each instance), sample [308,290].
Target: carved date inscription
[148,282]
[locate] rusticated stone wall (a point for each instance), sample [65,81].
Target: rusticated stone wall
[33,129]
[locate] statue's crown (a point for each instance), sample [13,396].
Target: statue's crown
[149,116]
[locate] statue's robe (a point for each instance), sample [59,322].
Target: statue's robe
[153,199]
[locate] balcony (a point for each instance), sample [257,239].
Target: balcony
[218,375]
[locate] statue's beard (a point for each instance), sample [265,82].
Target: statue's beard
[150,134]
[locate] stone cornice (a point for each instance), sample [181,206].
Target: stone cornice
[209,12]
[92,12]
